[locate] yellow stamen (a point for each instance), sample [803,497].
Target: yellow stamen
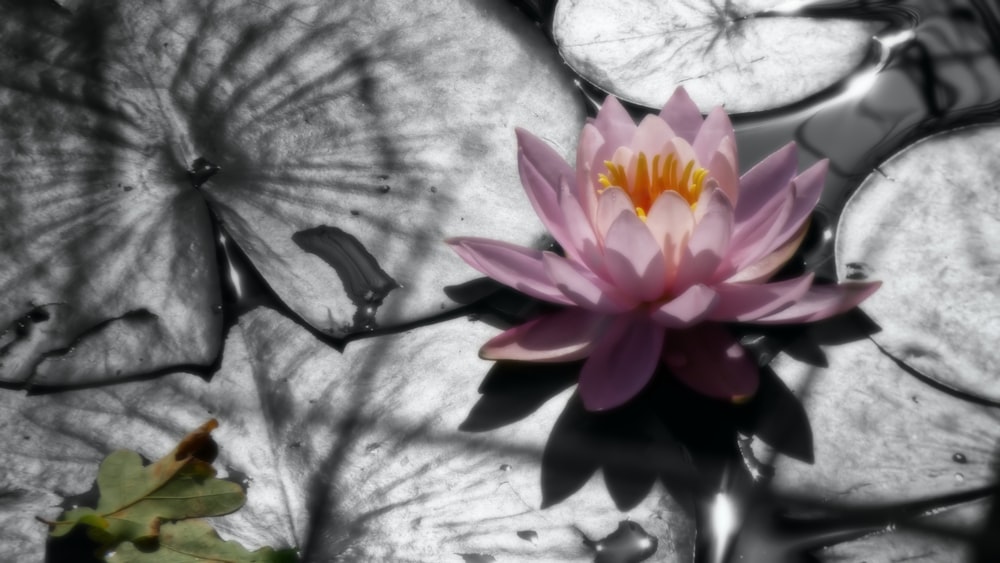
[665,173]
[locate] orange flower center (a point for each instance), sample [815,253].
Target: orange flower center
[646,181]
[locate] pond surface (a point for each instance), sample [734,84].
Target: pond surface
[359,419]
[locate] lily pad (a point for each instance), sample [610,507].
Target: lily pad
[927,223]
[881,435]
[738,54]
[355,455]
[367,119]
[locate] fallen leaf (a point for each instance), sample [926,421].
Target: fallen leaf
[194,541]
[735,53]
[135,499]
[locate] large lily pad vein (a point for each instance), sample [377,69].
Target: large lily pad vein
[733,53]
[392,124]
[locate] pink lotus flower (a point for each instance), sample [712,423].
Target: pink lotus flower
[664,241]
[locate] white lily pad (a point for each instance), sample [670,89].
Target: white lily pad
[354,455]
[879,434]
[390,127]
[927,224]
[724,53]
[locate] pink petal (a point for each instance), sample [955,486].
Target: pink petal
[768,179]
[716,128]
[753,244]
[634,259]
[511,265]
[725,169]
[687,308]
[614,123]
[745,302]
[591,141]
[584,288]
[650,136]
[808,189]
[708,245]
[621,363]
[582,241]
[682,115]
[541,170]
[709,360]
[562,336]
[764,268]
[822,302]
[670,221]
[611,203]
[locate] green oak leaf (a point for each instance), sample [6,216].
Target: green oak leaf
[193,541]
[135,498]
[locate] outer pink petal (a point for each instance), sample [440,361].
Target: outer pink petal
[621,363]
[584,288]
[708,245]
[763,269]
[753,244]
[708,359]
[767,180]
[580,231]
[614,123]
[634,259]
[541,170]
[670,221]
[686,309]
[745,302]
[808,189]
[724,167]
[591,141]
[511,265]
[716,128]
[682,115]
[557,337]
[822,302]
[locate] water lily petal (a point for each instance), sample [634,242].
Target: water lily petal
[708,359]
[561,336]
[614,123]
[708,244]
[670,221]
[683,116]
[634,259]
[611,203]
[650,136]
[621,363]
[724,168]
[751,245]
[822,302]
[509,264]
[715,128]
[808,188]
[582,240]
[688,308]
[584,288]
[744,302]
[541,170]
[591,141]
[764,268]
[768,179]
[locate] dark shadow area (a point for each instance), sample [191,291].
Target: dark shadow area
[513,390]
